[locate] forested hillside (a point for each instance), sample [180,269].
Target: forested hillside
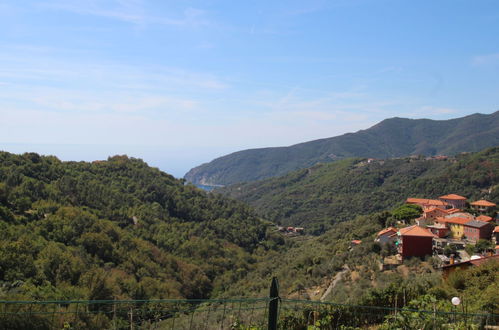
[116,229]
[320,196]
[395,137]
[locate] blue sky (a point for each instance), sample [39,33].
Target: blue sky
[179,83]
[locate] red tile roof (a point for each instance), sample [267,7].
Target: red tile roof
[485,218]
[453,210]
[387,230]
[478,262]
[356,241]
[425,201]
[496,229]
[483,202]
[416,231]
[441,220]
[457,220]
[453,196]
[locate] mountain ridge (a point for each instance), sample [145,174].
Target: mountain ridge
[392,137]
[319,197]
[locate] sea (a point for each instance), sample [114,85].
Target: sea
[207,188]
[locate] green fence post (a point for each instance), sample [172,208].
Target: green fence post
[273,304]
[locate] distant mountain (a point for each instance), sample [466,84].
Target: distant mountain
[319,197]
[394,137]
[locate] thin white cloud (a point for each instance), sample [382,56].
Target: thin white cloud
[130,11]
[489,59]
[59,100]
[44,66]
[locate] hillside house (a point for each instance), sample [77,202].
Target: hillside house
[430,214]
[387,235]
[448,269]
[483,205]
[439,230]
[427,203]
[484,218]
[461,215]
[423,222]
[415,241]
[456,201]
[475,230]
[455,225]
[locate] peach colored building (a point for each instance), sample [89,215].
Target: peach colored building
[456,201]
[483,205]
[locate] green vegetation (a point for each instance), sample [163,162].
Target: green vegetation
[325,194]
[304,263]
[116,229]
[395,137]
[407,212]
[307,267]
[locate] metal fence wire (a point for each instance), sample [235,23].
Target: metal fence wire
[226,314]
[135,314]
[237,314]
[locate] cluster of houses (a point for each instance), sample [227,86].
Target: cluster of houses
[443,222]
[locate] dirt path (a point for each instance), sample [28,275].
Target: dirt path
[335,280]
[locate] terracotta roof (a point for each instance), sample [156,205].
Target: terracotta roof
[356,241]
[416,231]
[452,210]
[441,220]
[453,196]
[485,218]
[476,224]
[483,202]
[496,229]
[387,230]
[478,262]
[426,201]
[457,220]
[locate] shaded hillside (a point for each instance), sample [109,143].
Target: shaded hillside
[324,194]
[395,137]
[115,229]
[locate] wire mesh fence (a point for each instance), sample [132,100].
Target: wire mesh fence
[305,314]
[226,314]
[135,314]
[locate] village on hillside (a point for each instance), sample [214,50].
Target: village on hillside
[451,229]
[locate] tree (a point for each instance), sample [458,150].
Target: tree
[450,249]
[407,212]
[482,246]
